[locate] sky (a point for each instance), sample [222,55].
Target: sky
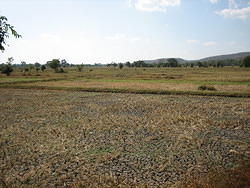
[105,31]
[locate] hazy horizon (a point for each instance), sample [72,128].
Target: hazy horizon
[91,31]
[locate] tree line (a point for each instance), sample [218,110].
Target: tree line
[172,62]
[59,65]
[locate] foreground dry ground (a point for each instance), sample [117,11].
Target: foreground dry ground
[64,139]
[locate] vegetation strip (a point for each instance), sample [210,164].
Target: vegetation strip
[31,81]
[169,81]
[133,91]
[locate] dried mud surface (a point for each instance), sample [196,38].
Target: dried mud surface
[59,138]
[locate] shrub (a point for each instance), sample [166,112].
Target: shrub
[6,69]
[26,69]
[54,64]
[80,67]
[37,66]
[43,67]
[120,65]
[208,88]
[61,70]
[245,62]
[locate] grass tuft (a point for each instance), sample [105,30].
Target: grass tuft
[208,88]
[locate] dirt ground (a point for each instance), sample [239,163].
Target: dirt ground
[62,139]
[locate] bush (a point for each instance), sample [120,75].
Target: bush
[61,70]
[208,88]
[43,67]
[54,64]
[120,65]
[80,67]
[245,62]
[6,69]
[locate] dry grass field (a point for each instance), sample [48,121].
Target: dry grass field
[231,81]
[76,139]
[229,74]
[124,94]
[141,85]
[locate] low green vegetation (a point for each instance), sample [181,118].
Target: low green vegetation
[209,88]
[6,69]
[245,62]
[16,80]
[196,82]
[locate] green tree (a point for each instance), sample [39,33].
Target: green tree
[43,67]
[37,66]
[120,65]
[5,30]
[173,62]
[139,64]
[245,62]
[7,68]
[200,64]
[54,64]
[64,63]
[128,64]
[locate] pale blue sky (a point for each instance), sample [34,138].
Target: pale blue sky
[101,31]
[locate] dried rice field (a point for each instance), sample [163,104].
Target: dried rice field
[77,139]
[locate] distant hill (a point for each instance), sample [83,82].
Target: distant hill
[235,56]
[165,60]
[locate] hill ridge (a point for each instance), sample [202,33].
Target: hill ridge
[235,56]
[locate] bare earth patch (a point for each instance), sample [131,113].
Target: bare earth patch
[65,139]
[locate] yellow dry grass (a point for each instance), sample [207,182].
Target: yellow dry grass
[77,139]
[139,85]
